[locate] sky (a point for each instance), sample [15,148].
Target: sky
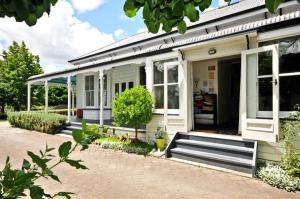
[73,28]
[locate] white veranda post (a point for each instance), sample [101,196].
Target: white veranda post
[28,96]
[46,96]
[101,96]
[73,101]
[69,98]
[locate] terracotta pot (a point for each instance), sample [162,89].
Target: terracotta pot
[79,113]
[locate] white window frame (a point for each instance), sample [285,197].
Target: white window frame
[166,84]
[85,91]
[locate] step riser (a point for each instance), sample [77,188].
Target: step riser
[238,154]
[217,140]
[217,163]
[71,128]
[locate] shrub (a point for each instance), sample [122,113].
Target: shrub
[3,116]
[46,123]
[278,177]
[114,143]
[133,108]
[291,163]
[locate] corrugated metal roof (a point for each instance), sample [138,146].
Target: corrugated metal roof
[252,26]
[205,17]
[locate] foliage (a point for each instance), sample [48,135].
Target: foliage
[115,143]
[289,128]
[133,108]
[160,133]
[57,95]
[25,10]
[291,163]
[15,183]
[46,123]
[278,177]
[18,65]
[171,13]
[89,132]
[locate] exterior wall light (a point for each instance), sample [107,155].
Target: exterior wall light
[212,51]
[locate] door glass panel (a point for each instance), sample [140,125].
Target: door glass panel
[158,72]
[251,89]
[265,98]
[159,96]
[130,85]
[117,88]
[265,63]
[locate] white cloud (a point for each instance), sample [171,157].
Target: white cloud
[140,30]
[86,5]
[119,33]
[57,38]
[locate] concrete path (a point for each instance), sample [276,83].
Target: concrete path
[119,175]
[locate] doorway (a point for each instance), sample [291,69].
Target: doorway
[216,95]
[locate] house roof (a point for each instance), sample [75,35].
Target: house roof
[206,17]
[249,25]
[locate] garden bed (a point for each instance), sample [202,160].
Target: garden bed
[116,143]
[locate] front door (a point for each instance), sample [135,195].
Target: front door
[260,94]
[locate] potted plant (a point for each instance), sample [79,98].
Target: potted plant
[160,138]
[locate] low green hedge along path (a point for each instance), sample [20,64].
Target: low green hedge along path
[46,123]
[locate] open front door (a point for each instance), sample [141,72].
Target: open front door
[260,94]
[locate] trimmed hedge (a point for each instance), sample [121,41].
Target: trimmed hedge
[46,123]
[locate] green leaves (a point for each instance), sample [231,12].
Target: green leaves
[24,10]
[64,149]
[76,164]
[272,5]
[191,12]
[171,13]
[130,8]
[181,27]
[37,160]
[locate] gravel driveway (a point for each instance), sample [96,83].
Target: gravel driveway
[114,174]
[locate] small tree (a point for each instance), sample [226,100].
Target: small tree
[133,108]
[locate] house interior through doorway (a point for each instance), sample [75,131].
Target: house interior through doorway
[216,95]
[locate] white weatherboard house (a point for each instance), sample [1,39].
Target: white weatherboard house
[220,89]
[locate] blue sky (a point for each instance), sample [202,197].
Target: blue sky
[109,17]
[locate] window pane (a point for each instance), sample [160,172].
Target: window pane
[87,98]
[87,83]
[158,72]
[105,90]
[91,82]
[159,97]
[289,63]
[92,98]
[123,86]
[173,97]
[130,85]
[172,74]
[289,92]
[265,99]
[117,88]
[142,76]
[265,63]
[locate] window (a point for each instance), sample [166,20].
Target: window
[130,85]
[165,73]
[89,90]
[289,72]
[104,90]
[122,86]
